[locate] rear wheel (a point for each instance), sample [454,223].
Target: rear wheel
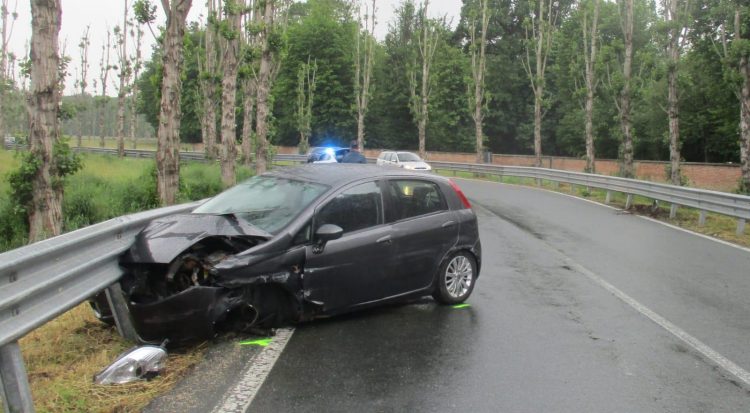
[455,281]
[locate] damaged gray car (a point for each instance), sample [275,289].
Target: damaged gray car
[299,243]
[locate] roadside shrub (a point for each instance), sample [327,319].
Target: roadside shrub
[139,195]
[14,228]
[198,181]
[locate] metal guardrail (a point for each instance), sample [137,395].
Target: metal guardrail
[39,282]
[733,205]
[43,280]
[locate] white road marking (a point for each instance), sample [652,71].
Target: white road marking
[681,334]
[238,399]
[711,354]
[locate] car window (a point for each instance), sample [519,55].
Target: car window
[266,202]
[354,209]
[411,198]
[408,157]
[382,155]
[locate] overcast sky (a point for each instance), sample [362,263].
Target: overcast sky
[104,14]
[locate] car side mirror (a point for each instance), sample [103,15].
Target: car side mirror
[326,232]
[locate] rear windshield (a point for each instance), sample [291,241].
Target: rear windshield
[408,157]
[266,202]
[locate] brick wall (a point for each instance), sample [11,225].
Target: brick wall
[720,177]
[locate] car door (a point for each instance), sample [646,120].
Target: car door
[423,231]
[352,269]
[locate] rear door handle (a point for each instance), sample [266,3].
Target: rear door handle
[384,240]
[448,224]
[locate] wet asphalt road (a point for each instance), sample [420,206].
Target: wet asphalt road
[540,335]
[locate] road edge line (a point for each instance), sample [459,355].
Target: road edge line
[239,398]
[681,334]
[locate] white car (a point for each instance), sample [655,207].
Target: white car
[406,160]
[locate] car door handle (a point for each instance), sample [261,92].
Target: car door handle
[384,240]
[448,224]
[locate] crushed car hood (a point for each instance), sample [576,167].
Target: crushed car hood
[163,239]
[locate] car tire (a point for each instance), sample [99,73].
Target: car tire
[455,279]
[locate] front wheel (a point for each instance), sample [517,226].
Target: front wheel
[455,280]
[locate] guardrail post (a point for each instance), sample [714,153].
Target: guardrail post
[702,218]
[556,184]
[672,211]
[629,201]
[608,198]
[16,391]
[538,182]
[740,226]
[121,312]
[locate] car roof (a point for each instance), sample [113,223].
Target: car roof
[339,174]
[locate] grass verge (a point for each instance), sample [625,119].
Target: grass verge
[716,226]
[62,357]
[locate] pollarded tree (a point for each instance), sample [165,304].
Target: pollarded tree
[426,44]
[540,28]
[363,60]
[675,21]
[83,52]
[7,32]
[305,98]
[168,135]
[208,67]
[231,26]
[47,161]
[104,68]
[137,34]
[121,45]
[590,35]
[478,99]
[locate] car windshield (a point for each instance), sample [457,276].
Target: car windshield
[408,157]
[266,202]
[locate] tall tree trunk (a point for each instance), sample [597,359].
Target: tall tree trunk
[124,80]
[745,125]
[134,87]
[673,108]
[264,87]
[168,141]
[538,126]
[228,155]
[45,216]
[419,104]
[103,75]
[208,120]
[248,105]
[542,27]
[363,72]
[6,33]
[628,169]
[478,72]
[590,59]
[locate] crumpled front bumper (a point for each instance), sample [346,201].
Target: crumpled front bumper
[190,315]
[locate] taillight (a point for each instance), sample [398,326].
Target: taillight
[460,194]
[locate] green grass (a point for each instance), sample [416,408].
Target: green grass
[717,226]
[108,187]
[111,143]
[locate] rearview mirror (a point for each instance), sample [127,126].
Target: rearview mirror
[328,232]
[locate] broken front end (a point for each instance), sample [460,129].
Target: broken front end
[191,277]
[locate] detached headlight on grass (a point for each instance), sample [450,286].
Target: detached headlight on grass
[138,363]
